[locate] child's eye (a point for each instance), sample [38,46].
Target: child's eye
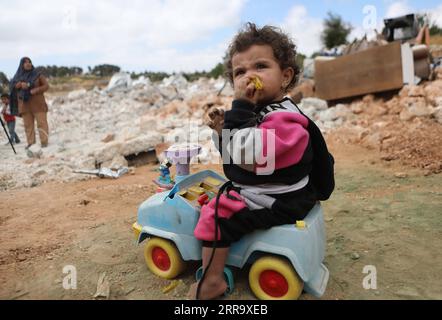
[260,65]
[238,72]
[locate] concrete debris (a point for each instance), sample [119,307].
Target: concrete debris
[103,287]
[34,151]
[131,122]
[105,172]
[110,127]
[119,81]
[400,126]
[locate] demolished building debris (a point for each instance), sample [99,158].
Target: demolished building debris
[131,127]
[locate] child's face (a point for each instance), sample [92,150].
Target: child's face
[259,61]
[5,101]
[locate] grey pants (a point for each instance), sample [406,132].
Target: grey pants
[12,133]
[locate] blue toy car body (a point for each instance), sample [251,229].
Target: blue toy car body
[170,215]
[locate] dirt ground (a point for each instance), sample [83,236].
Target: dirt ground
[381,214]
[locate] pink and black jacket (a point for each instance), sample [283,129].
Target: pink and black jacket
[263,196]
[253,129]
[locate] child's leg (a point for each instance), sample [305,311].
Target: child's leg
[213,284]
[12,133]
[11,126]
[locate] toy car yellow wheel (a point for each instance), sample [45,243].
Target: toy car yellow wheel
[273,278]
[163,258]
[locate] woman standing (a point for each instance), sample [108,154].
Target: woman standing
[27,100]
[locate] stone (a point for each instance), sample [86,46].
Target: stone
[39,173]
[110,137]
[369,98]
[119,81]
[103,287]
[406,115]
[317,103]
[378,110]
[357,107]
[34,151]
[328,115]
[404,91]
[438,114]
[433,91]
[355,256]
[343,111]
[118,162]
[416,91]
[393,106]
[438,73]
[417,106]
[76,95]
[303,90]
[401,175]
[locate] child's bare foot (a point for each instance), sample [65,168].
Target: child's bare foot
[210,289]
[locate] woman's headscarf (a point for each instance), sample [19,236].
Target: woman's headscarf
[22,75]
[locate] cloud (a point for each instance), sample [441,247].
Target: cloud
[436,15]
[397,9]
[304,29]
[400,8]
[139,35]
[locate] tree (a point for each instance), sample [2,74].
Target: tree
[300,60]
[217,72]
[428,19]
[435,30]
[105,70]
[335,31]
[59,72]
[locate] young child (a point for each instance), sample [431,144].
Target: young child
[10,119]
[266,127]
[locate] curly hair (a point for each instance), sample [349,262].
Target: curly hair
[282,45]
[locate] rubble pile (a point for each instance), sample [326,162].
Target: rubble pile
[105,128]
[407,127]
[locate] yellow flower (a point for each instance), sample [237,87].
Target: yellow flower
[258,83]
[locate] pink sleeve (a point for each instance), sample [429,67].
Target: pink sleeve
[284,139]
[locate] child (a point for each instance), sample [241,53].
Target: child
[266,127]
[10,119]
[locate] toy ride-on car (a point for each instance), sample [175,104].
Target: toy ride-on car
[285,260]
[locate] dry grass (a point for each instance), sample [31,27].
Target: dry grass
[437,40]
[67,84]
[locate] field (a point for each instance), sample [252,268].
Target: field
[381,214]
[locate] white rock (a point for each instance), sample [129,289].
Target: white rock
[438,114]
[328,115]
[118,162]
[318,104]
[77,94]
[119,81]
[34,151]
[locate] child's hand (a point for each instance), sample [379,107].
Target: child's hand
[216,119]
[245,89]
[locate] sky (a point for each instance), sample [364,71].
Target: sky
[171,35]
